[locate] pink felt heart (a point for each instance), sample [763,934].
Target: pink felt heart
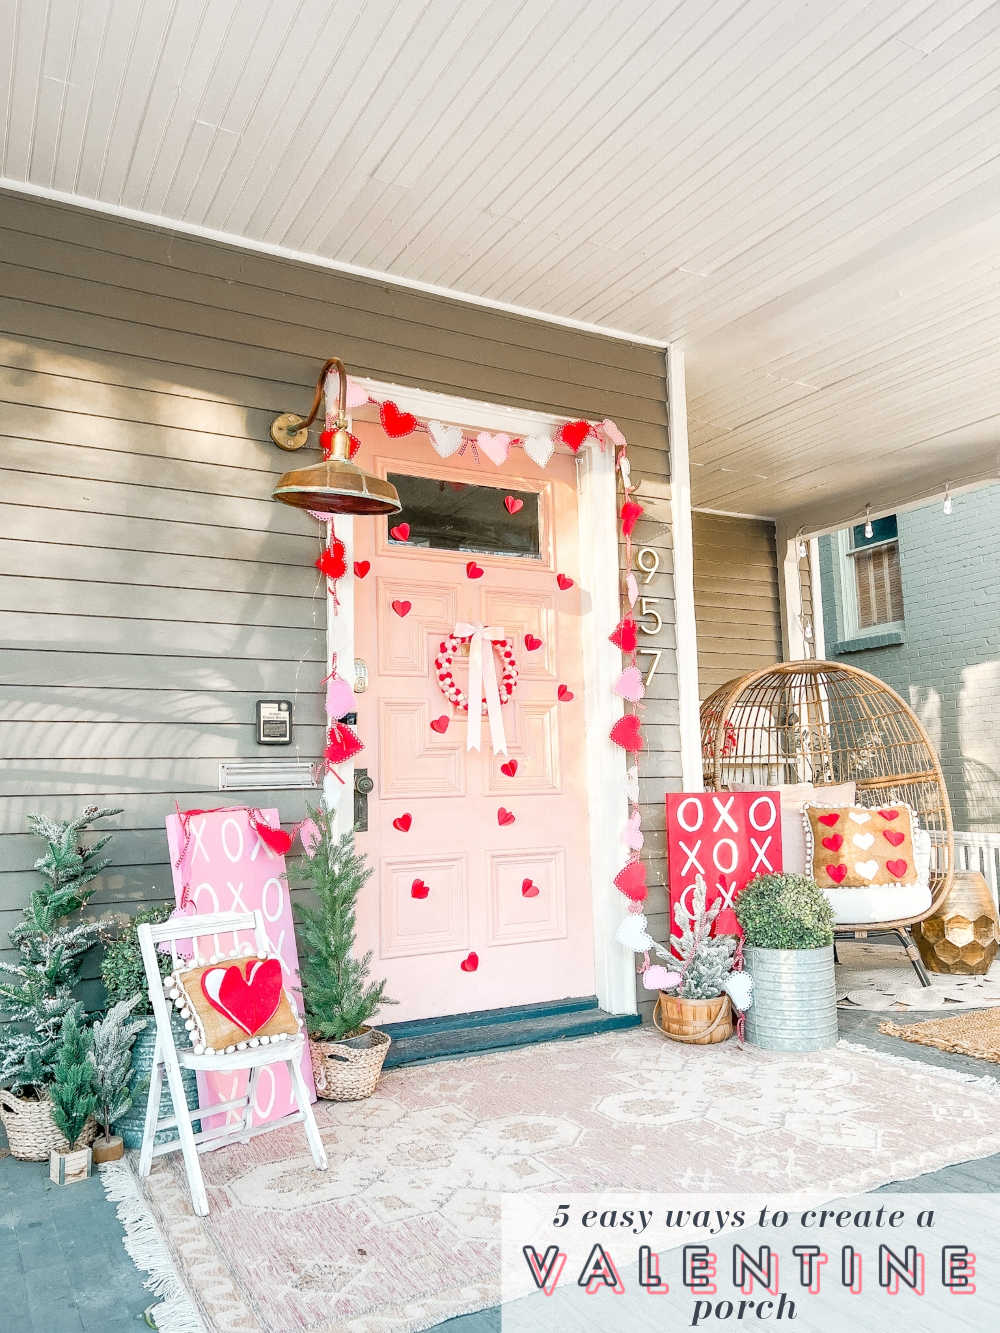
[629,685]
[403,823]
[504,817]
[394,422]
[474,571]
[896,867]
[509,768]
[626,733]
[893,836]
[528,889]
[357,394]
[564,694]
[532,643]
[440,724]
[837,872]
[418,889]
[632,589]
[833,843]
[248,998]
[633,833]
[470,962]
[402,608]
[564,581]
[495,447]
[340,698]
[828,820]
[512,504]
[658,978]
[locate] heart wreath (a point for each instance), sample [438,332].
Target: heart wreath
[450,688]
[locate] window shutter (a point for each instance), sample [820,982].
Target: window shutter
[879,586]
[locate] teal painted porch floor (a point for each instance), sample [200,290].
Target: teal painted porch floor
[63,1268]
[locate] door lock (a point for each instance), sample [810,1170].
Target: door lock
[363,788]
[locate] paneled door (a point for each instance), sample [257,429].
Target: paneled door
[469,908]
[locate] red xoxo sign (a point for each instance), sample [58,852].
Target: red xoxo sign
[728,837]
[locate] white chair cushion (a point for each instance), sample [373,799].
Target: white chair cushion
[856,907]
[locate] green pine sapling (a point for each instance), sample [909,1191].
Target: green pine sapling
[112,1038]
[72,1090]
[338,995]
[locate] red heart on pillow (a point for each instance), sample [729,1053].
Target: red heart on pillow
[833,843]
[531,643]
[402,608]
[893,836]
[504,817]
[627,734]
[509,768]
[440,724]
[889,814]
[564,694]
[470,962]
[402,822]
[250,999]
[564,581]
[513,504]
[418,889]
[394,422]
[361,568]
[529,890]
[896,867]
[836,873]
[474,571]
[574,433]
[400,533]
[632,881]
[828,820]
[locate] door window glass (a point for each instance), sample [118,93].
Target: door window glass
[460,516]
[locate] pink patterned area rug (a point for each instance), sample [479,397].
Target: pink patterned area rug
[402,1231]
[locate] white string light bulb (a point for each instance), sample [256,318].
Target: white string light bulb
[947,497]
[869,530]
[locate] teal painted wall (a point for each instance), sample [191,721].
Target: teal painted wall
[948,665]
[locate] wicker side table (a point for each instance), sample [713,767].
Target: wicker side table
[963,934]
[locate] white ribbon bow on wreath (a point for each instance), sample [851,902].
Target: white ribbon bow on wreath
[483,684]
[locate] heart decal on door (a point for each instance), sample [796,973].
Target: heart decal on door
[512,504]
[470,962]
[564,581]
[509,768]
[564,694]
[474,571]
[249,999]
[531,643]
[440,724]
[361,568]
[529,889]
[418,889]
[504,817]
[403,823]
[400,533]
[402,608]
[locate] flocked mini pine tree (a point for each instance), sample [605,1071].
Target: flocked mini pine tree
[111,1058]
[706,959]
[339,997]
[72,1090]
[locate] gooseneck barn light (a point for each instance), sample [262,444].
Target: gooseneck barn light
[335,485]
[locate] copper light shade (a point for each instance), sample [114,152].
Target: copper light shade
[335,485]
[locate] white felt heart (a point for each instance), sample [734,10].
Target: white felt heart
[866,869]
[632,588]
[629,685]
[659,978]
[859,816]
[625,468]
[539,448]
[632,933]
[495,447]
[863,840]
[739,987]
[446,440]
[632,784]
[633,833]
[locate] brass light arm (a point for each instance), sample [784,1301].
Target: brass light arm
[290,431]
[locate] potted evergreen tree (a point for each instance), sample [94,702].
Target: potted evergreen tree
[788,941]
[698,1009]
[37,993]
[73,1103]
[338,995]
[112,1038]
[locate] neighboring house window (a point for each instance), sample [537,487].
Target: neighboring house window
[870,581]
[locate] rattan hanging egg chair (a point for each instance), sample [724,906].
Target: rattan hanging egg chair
[827,723]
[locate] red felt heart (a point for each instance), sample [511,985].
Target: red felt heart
[361,568]
[470,962]
[402,608]
[343,744]
[474,571]
[896,867]
[440,724]
[893,836]
[627,734]
[250,1000]
[889,814]
[624,636]
[331,562]
[529,890]
[563,694]
[564,581]
[509,768]
[574,433]
[632,881]
[402,822]
[418,889]
[836,873]
[631,513]
[828,820]
[276,838]
[394,422]
[833,843]
[354,446]
[504,817]
[400,533]
[513,504]
[531,643]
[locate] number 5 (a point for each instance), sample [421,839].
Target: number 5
[646,610]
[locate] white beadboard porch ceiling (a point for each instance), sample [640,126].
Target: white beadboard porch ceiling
[806,194]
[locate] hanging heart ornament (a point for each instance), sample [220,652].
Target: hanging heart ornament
[739,987]
[539,448]
[447,440]
[495,447]
[633,933]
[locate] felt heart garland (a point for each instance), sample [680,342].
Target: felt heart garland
[624,635]
[495,447]
[573,434]
[446,440]
[539,449]
[343,744]
[396,423]
[630,515]
[332,561]
[626,733]
[276,838]
[631,880]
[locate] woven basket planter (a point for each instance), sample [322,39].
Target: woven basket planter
[31,1131]
[699,1022]
[346,1071]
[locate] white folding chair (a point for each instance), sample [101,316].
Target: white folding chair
[169,1060]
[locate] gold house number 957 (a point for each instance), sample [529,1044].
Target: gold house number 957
[649,620]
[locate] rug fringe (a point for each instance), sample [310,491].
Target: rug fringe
[985,1081]
[176,1311]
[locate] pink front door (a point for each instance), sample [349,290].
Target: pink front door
[458,881]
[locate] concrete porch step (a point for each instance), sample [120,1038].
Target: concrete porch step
[498,1029]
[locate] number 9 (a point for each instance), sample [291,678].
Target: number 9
[649,565]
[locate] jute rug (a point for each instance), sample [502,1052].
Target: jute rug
[967,1034]
[402,1231]
[879,976]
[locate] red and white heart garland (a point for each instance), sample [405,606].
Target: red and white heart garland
[445,660]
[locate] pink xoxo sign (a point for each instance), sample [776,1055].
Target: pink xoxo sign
[221,864]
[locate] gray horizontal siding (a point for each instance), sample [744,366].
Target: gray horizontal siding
[150,589]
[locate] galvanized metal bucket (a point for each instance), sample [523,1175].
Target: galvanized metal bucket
[794,999]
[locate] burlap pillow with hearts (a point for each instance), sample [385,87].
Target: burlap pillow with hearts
[856,846]
[233,1003]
